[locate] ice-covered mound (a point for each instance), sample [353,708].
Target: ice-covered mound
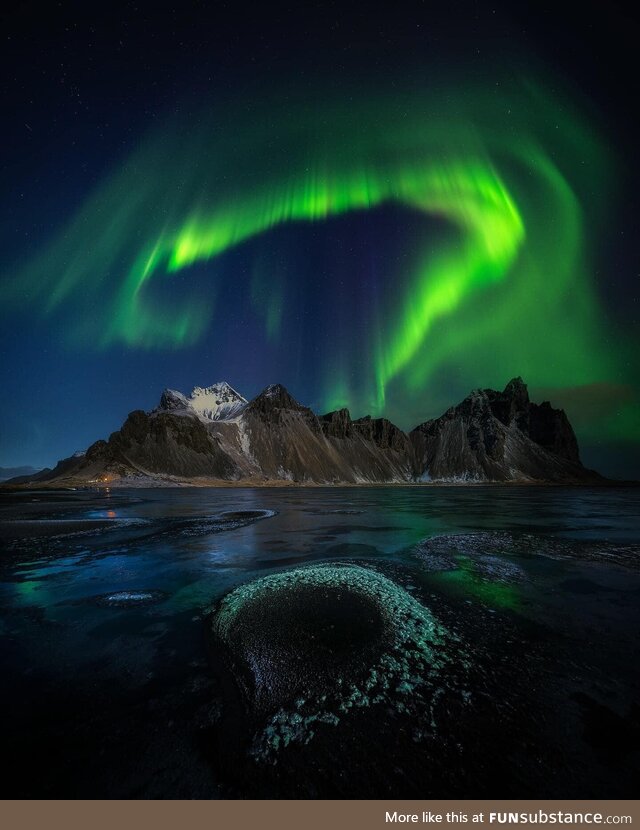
[490,551]
[228,520]
[128,599]
[246,515]
[477,553]
[53,528]
[309,645]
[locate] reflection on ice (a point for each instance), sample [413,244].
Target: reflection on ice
[487,550]
[104,601]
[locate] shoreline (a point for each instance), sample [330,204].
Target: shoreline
[216,484]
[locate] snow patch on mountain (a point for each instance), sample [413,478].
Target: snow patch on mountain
[245,442]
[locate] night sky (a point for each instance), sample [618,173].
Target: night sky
[381,210]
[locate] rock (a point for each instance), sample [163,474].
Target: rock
[382,433]
[499,436]
[337,424]
[309,645]
[162,443]
[172,401]
[275,400]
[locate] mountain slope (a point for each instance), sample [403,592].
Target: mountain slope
[277,438]
[499,436]
[17,472]
[215,435]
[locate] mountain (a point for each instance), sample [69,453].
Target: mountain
[13,472]
[285,440]
[499,436]
[215,436]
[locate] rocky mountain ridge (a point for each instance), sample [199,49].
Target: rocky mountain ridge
[217,436]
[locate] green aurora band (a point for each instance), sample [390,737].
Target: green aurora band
[501,176]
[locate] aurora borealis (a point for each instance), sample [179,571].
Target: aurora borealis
[383,245]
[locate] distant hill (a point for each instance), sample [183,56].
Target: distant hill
[11,472]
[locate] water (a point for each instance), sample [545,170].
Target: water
[110,688]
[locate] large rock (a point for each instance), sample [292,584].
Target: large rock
[308,646]
[544,425]
[499,436]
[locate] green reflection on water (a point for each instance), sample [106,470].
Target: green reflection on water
[468,580]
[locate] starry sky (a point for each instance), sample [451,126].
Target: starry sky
[381,210]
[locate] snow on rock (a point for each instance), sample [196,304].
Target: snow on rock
[219,402]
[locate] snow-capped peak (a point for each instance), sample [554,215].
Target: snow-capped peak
[218,402]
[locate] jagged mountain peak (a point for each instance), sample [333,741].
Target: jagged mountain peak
[221,389]
[382,432]
[218,402]
[337,424]
[516,392]
[497,435]
[274,390]
[275,396]
[171,400]
[516,387]
[214,433]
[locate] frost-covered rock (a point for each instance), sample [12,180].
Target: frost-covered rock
[313,645]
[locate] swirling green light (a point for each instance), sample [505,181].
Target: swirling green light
[506,291]
[467,193]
